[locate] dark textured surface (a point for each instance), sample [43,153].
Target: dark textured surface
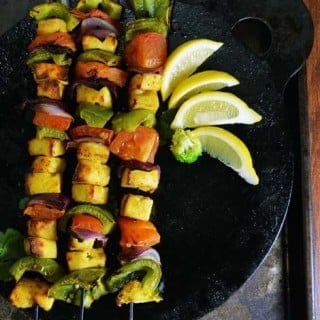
[217,235]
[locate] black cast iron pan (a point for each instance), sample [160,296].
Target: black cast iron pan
[216,229]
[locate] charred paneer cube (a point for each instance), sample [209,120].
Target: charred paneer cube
[47,147]
[93,151]
[93,258]
[40,247]
[84,192]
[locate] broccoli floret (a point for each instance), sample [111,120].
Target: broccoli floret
[185,147]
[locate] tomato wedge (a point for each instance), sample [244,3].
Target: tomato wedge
[137,233]
[86,222]
[59,39]
[146,50]
[140,144]
[83,131]
[43,119]
[97,70]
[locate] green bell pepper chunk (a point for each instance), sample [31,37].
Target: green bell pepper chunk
[68,287]
[44,132]
[131,120]
[93,114]
[136,291]
[48,268]
[151,9]
[43,55]
[99,55]
[54,10]
[145,25]
[113,9]
[101,213]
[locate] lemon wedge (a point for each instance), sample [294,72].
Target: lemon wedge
[213,108]
[184,60]
[229,149]
[201,81]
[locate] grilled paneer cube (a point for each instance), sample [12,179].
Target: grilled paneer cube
[93,151]
[40,247]
[47,147]
[43,182]
[29,292]
[83,192]
[144,99]
[145,81]
[50,71]
[136,206]
[78,245]
[92,173]
[42,228]
[101,97]
[86,259]
[48,26]
[110,43]
[48,164]
[147,181]
[52,89]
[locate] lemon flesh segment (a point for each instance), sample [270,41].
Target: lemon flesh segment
[229,149]
[183,61]
[213,108]
[201,81]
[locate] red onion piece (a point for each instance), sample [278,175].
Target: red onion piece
[52,200]
[150,253]
[82,234]
[53,109]
[98,24]
[101,34]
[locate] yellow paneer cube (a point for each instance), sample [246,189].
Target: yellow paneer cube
[40,247]
[110,43]
[77,245]
[91,172]
[147,181]
[48,164]
[136,206]
[47,147]
[144,99]
[93,258]
[43,228]
[101,97]
[83,192]
[93,151]
[52,25]
[29,292]
[50,71]
[42,182]
[52,89]
[145,81]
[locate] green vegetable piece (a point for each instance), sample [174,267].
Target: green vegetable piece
[151,9]
[44,132]
[113,9]
[99,55]
[101,213]
[131,120]
[48,268]
[68,287]
[148,289]
[54,10]
[185,147]
[145,25]
[11,249]
[163,125]
[93,114]
[43,55]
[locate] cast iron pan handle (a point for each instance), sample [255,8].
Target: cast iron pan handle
[289,43]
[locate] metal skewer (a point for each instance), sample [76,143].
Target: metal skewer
[131,311]
[36,312]
[81,314]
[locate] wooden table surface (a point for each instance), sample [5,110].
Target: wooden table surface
[310,133]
